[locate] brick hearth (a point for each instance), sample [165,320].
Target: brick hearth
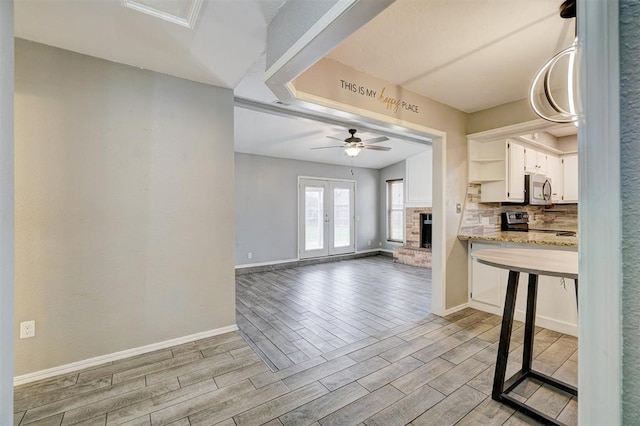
[411,253]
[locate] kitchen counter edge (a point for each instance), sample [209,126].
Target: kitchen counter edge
[535,238]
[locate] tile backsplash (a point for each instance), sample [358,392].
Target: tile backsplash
[482,218]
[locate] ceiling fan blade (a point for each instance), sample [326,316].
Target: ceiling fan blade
[333,137]
[325,147]
[377,148]
[376,140]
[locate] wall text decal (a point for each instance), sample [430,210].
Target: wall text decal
[391,103]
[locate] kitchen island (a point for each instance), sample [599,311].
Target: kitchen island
[487,284]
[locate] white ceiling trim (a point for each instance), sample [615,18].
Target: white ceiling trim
[314,115]
[343,18]
[332,14]
[189,21]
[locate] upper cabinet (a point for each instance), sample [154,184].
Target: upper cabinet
[555,173]
[570,178]
[536,162]
[419,181]
[515,165]
[499,167]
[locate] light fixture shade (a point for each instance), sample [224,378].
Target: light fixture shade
[554,111]
[352,151]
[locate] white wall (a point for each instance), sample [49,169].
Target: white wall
[501,116]
[394,171]
[267,205]
[419,183]
[124,217]
[568,143]
[6,213]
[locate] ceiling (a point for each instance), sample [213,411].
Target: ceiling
[469,54]
[106,29]
[292,137]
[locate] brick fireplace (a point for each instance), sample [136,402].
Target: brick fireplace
[412,253]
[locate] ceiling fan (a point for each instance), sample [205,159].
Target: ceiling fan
[353,145]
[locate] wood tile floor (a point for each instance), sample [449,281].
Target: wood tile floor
[345,343]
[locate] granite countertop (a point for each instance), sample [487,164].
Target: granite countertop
[531,237]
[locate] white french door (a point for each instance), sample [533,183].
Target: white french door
[326,217]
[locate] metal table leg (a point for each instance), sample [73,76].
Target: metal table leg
[505,335]
[501,388]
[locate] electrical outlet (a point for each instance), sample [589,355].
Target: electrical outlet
[27,329]
[369,243]
[249,255]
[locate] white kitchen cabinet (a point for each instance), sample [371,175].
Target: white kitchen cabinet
[515,183]
[485,281]
[535,161]
[499,168]
[556,307]
[418,183]
[570,178]
[487,161]
[554,172]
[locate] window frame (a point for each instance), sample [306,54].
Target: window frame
[391,209]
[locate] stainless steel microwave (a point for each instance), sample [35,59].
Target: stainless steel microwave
[537,190]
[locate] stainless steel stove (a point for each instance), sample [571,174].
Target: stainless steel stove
[514,221]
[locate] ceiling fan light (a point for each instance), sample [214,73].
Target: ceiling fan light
[352,151]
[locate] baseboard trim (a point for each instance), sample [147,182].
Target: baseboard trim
[375,250]
[495,310]
[541,321]
[553,324]
[259,264]
[284,264]
[92,362]
[456,309]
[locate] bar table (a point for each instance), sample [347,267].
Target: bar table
[555,263]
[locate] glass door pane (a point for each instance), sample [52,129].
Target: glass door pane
[341,217]
[326,216]
[341,210]
[314,218]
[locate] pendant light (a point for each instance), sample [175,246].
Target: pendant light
[543,78]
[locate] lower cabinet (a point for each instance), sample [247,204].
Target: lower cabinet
[556,307]
[486,280]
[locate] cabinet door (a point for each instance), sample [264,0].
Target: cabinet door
[570,178]
[530,161]
[554,172]
[541,163]
[486,281]
[557,300]
[515,187]
[535,162]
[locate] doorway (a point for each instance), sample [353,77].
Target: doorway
[326,217]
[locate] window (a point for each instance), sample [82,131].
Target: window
[395,210]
